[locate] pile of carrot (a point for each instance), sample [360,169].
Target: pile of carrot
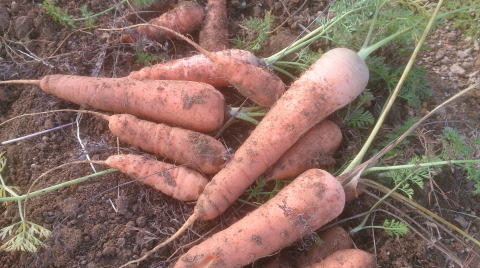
[293,140]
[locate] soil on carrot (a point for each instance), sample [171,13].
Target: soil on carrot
[111,219]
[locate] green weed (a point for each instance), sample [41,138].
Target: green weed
[144,58]
[466,20]
[58,14]
[257,34]
[395,228]
[23,235]
[456,146]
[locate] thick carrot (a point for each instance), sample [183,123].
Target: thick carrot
[312,150]
[332,82]
[317,93]
[331,240]
[178,182]
[191,105]
[214,33]
[348,258]
[256,83]
[195,68]
[186,17]
[183,146]
[313,199]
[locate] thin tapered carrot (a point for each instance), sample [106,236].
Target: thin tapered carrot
[192,105]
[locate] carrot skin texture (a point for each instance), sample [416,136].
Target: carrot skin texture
[186,17]
[312,150]
[332,240]
[196,68]
[317,93]
[214,33]
[191,105]
[196,150]
[276,224]
[181,183]
[348,258]
[256,83]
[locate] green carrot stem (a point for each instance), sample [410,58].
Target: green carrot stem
[370,29]
[438,163]
[291,64]
[364,221]
[57,186]
[420,208]
[99,13]
[388,105]
[366,51]
[307,39]
[280,70]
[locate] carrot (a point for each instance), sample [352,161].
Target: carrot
[191,105]
[331,240]
[256,83]
[195,68]
[332,82]
[178,182]
[310,201]
[312,150]
[348,258]
[316,94]
[186,17]
[191,148]
[214,33]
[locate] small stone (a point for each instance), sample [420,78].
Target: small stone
[457,69]
[467,65]
[476,45]
[86,238]
[14,6]
[109,251]
[121,242]
[141,221]
[4,19]
[464,53]
[445,60]
[461,220]
[23,26]
[440,54]
[452,36]
[130,224]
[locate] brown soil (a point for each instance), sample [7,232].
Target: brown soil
[109,220]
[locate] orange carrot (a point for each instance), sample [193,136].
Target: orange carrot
[214,33]
[316,94]
[348,258]
[186,17]
[313,199]
[191,105]
[332,82]
[256,83]
[191,148]
[195,68]
[178,182]
[312,150]
[331,240]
